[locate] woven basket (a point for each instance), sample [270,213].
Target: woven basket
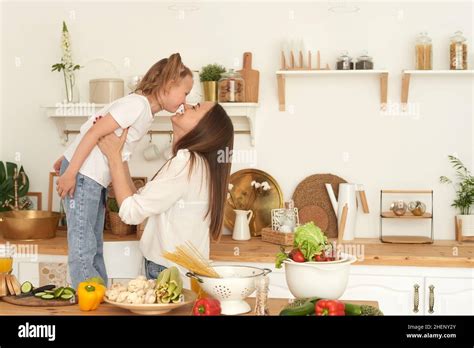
[118,227]
[276,237]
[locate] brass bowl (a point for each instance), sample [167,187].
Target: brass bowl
[29,224]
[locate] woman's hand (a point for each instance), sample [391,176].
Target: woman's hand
[111,145]
[66,185]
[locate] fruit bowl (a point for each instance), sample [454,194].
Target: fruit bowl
[326,279]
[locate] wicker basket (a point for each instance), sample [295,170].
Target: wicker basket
[276,237]
[118,227]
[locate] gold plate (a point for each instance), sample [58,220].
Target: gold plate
[263,204]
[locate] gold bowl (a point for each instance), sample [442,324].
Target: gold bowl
[29,224]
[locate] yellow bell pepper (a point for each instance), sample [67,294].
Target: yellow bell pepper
[90,295]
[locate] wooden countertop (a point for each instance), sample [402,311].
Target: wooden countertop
[274,305]
[438,254]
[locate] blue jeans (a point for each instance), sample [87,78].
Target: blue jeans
[152,270]
[85,214]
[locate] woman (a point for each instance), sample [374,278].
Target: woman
[185,199]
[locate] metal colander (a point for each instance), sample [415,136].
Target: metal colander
[235,285]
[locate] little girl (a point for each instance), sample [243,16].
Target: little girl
[84,171]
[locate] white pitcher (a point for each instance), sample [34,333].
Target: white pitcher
[241,225]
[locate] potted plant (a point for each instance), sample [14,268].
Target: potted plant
[7,189]
[209,76]
[464,195]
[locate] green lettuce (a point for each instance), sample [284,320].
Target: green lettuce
[310,240]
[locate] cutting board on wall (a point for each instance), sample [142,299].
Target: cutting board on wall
[251,78]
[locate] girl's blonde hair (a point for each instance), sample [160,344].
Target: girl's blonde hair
[161,73]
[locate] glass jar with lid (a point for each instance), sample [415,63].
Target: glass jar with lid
[458,52]
[344,62]
[424,52]
[364,62]
[231,87]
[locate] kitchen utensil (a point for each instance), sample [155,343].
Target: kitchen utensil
[156,308]
[235,285]
[318,279]
[340,235]
[241,225]
[251,78]
[347,195]
[316,214]
[262,205]
[32,301]
[312,192]
[104,91]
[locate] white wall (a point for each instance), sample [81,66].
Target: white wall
[332,115]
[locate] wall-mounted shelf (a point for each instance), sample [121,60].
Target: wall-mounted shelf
[406,75]
[69,117]
[282,74]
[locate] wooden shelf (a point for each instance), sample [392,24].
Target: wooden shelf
[282,74]
[408,215]
[69,117]
[406,75]
[407,240]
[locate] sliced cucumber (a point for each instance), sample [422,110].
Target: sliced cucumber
[47,297]
[39,294]
[66,296]
[71,290]
[49,292]
[26,287]
[58,292]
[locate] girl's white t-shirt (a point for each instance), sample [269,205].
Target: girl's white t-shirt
[131,111]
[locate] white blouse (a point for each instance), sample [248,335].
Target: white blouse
[175,205]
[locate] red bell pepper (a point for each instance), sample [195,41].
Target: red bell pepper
[207,306]
[329,307]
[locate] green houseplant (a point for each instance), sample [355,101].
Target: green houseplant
[209,76]
[464,188]
[7,193]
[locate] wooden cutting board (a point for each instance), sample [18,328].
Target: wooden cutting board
[251,78]
[37,302]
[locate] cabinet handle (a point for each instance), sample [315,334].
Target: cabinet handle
[416,298]
[432,299]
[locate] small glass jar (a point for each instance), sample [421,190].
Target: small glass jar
[399,208]
[424,52]
[417,208]
[231,87]
[344,62]
[458,52]
[364,62]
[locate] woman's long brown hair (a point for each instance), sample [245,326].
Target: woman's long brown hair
[212,139]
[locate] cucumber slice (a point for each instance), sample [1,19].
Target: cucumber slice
[58,292]
[39,294]
[68,292]
[26,287]
[68,288]
[47,297]
[49,291]
[66,296]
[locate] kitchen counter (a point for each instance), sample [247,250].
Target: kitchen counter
[446,253]
[274,305]
[438,254]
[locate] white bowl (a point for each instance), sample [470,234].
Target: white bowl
[326,279]
[235,285]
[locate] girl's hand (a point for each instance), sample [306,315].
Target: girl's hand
[66,185]
[57,165]
[111,145]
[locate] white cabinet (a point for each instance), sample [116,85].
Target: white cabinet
[449,296]
[395,294]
